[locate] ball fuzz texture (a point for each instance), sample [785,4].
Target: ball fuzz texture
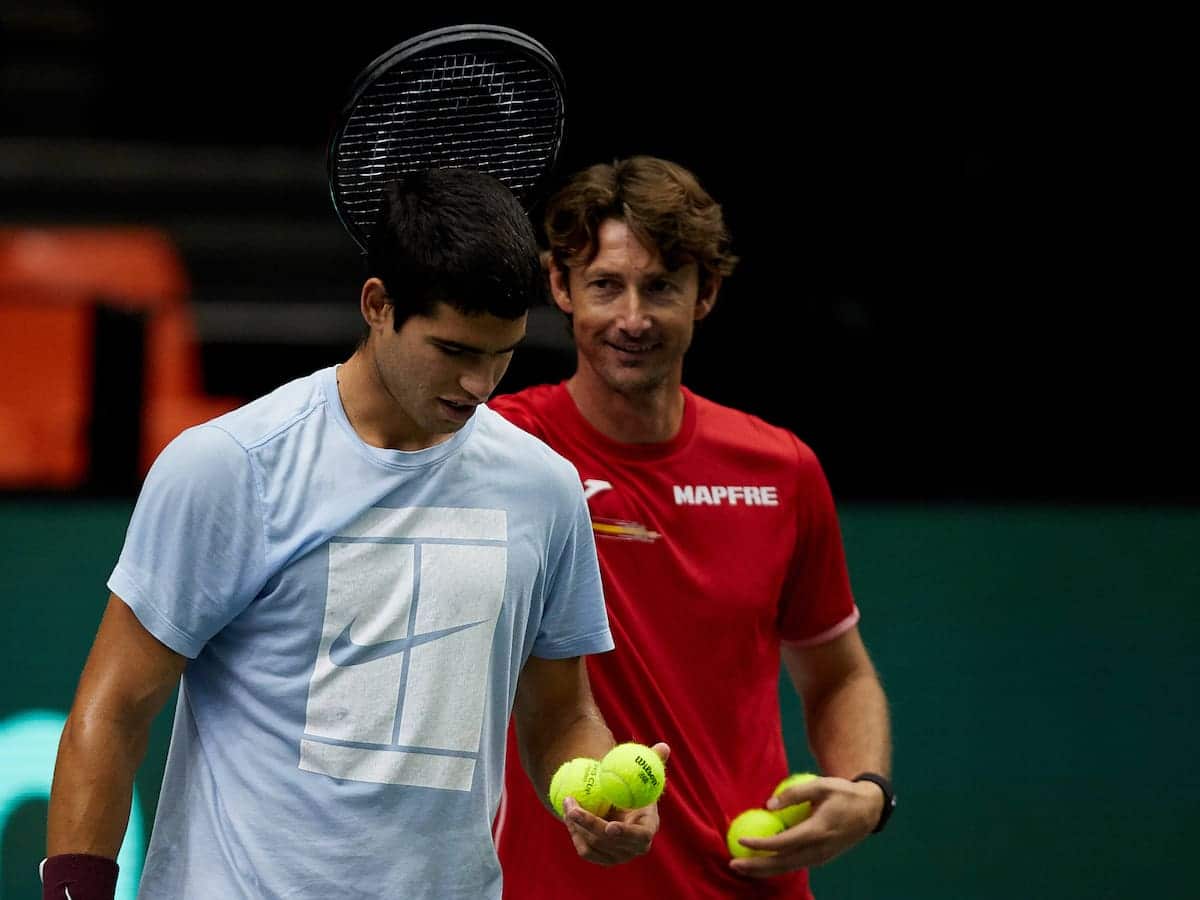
[577,778]
[755,823]
[632,776]
[797,812]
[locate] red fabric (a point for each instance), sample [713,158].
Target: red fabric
[88,877]
[699,596]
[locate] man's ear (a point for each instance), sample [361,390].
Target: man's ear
[375,304]
[708,296]
[560,288]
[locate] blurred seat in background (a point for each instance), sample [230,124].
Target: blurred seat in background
[100,356]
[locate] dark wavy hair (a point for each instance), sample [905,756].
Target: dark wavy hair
[455,236]
[661,202]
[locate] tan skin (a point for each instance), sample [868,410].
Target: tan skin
[847,719]
[128,677]
[633,320]
[557,720]
[405,390]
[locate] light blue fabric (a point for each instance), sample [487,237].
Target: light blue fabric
[356,620]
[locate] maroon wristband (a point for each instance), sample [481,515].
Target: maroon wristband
[87,877]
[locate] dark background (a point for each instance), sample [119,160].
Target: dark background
[957,277]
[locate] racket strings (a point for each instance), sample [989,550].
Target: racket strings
[499,113]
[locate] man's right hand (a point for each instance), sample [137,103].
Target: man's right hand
[624,835]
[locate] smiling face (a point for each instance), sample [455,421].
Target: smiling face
[436,369]
[632,317]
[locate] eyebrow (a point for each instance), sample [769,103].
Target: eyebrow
[652,274]
[469,348]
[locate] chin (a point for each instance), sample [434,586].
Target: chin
[632,380]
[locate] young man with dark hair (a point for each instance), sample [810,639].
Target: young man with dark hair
[353,580]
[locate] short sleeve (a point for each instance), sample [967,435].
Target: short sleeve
[194,554]
[574,620]
[817,604]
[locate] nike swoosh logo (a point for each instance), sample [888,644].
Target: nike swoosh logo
[344,652]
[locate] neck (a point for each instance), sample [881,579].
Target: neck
[373,412]
[647,416]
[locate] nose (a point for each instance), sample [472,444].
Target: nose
[480,379]
[633,315]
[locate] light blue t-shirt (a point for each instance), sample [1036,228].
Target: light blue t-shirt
[356,620]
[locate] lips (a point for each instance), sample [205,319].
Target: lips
[456,410]
[633,348]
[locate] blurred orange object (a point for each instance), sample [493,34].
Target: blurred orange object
[51,282]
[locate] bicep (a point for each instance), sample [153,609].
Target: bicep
[548,686]
[550,694]
[129,673]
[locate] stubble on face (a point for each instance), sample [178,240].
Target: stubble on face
[633,318]
[438,368]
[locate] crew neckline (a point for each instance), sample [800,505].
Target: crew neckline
[636,452]
[395,459]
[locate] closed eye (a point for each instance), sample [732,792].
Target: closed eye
[460,350]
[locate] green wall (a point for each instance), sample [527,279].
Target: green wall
[1040,662]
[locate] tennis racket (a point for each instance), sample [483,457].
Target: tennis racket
[468,96]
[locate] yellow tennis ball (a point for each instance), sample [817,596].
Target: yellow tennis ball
[797,812]
[752,823]
[631,776]
[577,778]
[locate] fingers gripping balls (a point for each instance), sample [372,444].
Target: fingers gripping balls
[798,812]
[754,823]
[629,776]
[577,778]
[760,823]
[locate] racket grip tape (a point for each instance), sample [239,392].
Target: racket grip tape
[78,876]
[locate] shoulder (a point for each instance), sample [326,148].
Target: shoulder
[204,454]
[529,408]
[203,475]
[215,457]
[275,413]
[525,455]
[748,433]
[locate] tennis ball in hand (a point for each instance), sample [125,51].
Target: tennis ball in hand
[631,776]
[797,812]
[577,778]
[754,823]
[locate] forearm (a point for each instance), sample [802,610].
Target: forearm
[846,715]
[848,727]
[543,749]
[556,719]
[93,785]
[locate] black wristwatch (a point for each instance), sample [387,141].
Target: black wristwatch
[889,797]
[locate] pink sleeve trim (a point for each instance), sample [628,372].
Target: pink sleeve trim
[828,634]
